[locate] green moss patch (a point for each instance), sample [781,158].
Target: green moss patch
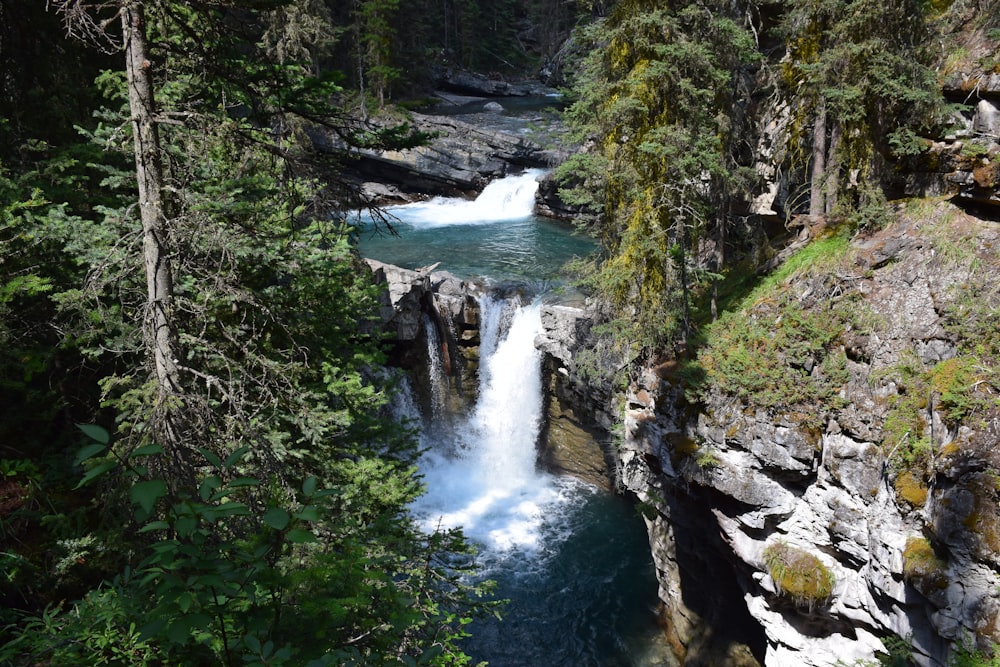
[922,567]
[798,574]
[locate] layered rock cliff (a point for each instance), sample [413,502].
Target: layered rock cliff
[862,453]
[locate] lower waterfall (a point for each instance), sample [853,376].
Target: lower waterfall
[572,560]
[485,479]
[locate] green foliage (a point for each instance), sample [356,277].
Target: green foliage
[655,96]
[769,351]
[955,388]
[864,65]
[225,551]
[798,574]
[905,431]
[707,459]
[97,631]
[970,656]
[242,572]
[900,652]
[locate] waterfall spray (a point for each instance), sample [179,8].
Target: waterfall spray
[489,484]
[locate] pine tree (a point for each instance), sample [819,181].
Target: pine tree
[257,486]
[857,72]
[658,100]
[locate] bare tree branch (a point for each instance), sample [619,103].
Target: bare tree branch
[91,22]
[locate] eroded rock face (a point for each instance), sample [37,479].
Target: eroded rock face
[424,306]
[459,159]
[723,479]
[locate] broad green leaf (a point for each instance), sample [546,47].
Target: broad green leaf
[96,472]
[95,432]
[154,525]
[185,525]
[277,518]
[309,485]
[243,481]
[301,536]
[226,509]
[88,451]
[145,494]
[308,513]
[207,486]
[236,456]
[210,457]
[148,450]
[252,643]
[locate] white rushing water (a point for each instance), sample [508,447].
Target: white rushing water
[572,561]
[486,481]
[511,198]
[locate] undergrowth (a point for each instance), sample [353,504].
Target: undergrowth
[777,347]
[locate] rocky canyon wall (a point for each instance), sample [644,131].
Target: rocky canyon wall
[740,491]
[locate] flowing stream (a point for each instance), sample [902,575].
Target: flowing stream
[494,236]
[572,560]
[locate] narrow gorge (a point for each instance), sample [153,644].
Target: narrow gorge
[818,479]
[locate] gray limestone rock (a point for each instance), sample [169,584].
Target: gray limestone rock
[764,474]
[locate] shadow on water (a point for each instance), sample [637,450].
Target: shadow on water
[588,597]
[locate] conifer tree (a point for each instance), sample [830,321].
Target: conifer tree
[857,72]
[658,98]
[262,490]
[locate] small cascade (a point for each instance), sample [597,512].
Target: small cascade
[496,236]
[511,198]
[438,379]
[495,316]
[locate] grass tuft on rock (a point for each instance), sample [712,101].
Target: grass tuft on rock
[922,567]
[799,575]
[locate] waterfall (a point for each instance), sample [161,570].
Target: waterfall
[486,482]
[510,198]
[437,379]
[503,430]
[573,561]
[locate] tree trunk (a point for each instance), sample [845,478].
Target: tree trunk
[159,327]
[833,175]
[817,204]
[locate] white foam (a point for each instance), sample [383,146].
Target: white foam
[510,198]
[488,485]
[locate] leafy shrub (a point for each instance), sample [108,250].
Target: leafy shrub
[966,656]
[798,574]
[238,571]
[97,631]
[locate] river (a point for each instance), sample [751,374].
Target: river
[572,560]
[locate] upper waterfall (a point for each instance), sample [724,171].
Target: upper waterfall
[510,198]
